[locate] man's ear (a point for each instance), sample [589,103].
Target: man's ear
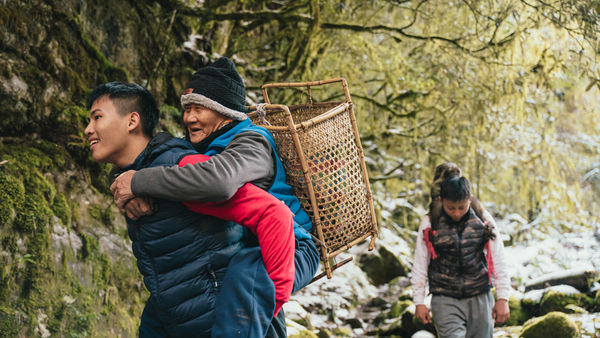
[134,121]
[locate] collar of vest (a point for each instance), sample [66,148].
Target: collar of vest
[451,222]
[160,143]
[223,140]
[203,145]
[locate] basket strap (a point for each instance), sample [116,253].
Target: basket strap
[261,111]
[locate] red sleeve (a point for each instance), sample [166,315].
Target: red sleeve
[267,217]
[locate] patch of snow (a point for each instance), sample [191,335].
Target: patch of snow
[534,295]
[423,334]
[566,289]
[555,252]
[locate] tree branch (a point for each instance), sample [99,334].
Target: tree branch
[384,106]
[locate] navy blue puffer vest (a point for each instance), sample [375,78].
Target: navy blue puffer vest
[182,255]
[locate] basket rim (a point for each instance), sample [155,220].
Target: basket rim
[337,108]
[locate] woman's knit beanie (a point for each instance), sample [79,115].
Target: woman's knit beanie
[219,87]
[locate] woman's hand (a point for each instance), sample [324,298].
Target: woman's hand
[138,207]
[121,189]
[501,311]
[422,313]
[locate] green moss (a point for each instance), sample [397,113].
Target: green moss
[301,321]
[342,332]
[380,319]
[398,308]
[557,301]
[8,323]
[65,125]
[36,184]
[304,334]
[518,315]
[61,209]
[73,319]
[530,306]
[12,196]
[572,308]
[553,324]
[324,334]
[383,267]
[89,246]
[5,280]
[25,157]
[9,241]
[76,214]
[35,213]
[103,215]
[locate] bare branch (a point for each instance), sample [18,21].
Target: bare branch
[385,107]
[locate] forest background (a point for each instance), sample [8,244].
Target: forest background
[507,89]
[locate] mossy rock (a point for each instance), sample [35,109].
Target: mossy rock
[554,300]
[412,324]
[377,302]
[572,308]
[342,332]
[381,268]
[406,294]
[354,323]
[12,197]
[8,324]
[553,324]
[380,319]
[518,315]
[530,303]
[398,308]
[304,334]
[406,326]
[395,329]
[324,334]
[61,209]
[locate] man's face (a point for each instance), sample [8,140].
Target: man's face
[201,121]
[107,131]
[456,209]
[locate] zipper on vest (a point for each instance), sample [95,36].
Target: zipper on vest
[460,229]
[213,275]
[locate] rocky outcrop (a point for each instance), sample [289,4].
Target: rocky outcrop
[65,260]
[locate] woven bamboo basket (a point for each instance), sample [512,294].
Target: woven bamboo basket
[319,146]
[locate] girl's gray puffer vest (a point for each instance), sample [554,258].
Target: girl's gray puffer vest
[182,255]
[460,269]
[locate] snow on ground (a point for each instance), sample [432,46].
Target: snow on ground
[537,254]
[530,260]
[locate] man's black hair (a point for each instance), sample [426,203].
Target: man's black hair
[127,98]
[455,189]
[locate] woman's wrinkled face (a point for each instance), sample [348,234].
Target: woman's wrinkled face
[200,121]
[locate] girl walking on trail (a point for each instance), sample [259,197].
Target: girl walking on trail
[459,258]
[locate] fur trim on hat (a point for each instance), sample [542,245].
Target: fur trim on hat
[195,98]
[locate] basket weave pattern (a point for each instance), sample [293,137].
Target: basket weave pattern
[334,168]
